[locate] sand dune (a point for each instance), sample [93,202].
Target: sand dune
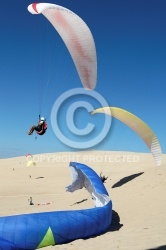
[136,186]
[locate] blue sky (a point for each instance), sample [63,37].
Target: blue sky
[130,38]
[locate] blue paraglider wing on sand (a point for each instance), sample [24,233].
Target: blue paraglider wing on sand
[37,230]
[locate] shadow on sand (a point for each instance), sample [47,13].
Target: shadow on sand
[115,223]
[158,248]
[78,202]
[126,179]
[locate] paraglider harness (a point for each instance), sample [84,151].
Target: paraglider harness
[43,127]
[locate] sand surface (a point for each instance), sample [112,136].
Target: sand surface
[136,187]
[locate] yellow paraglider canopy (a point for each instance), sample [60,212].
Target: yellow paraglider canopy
[139,126]
[30,161]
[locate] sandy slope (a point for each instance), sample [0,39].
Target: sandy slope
[136,186]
